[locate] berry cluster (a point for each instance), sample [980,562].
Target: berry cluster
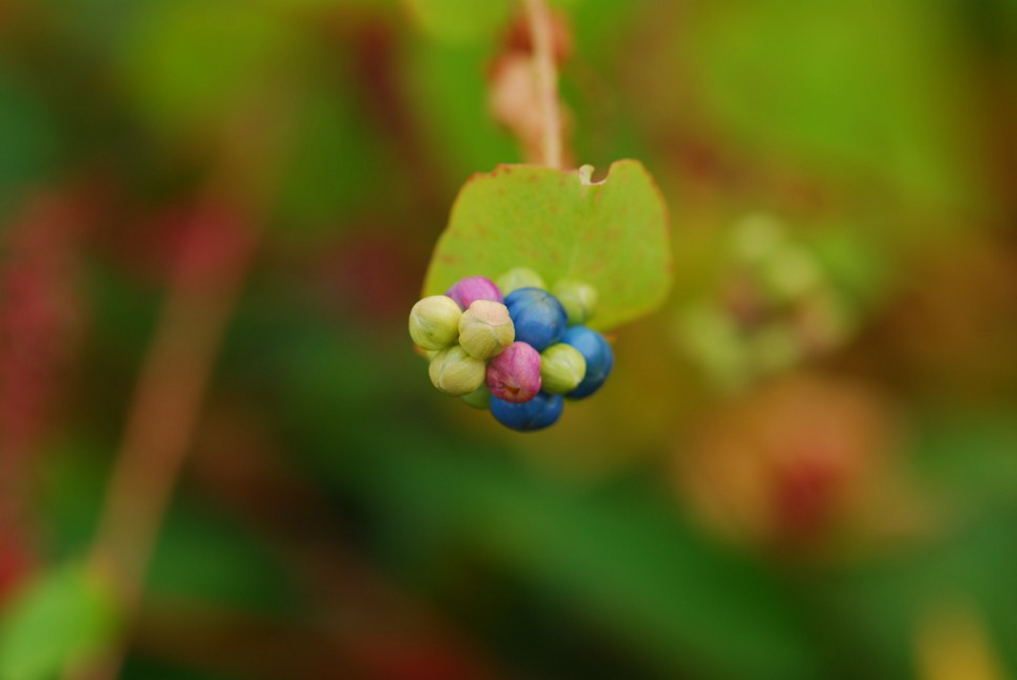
[518,354]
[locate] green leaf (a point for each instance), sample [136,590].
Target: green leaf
[618,558]
[612,234]
[181,74]
[459,21]
[57,623]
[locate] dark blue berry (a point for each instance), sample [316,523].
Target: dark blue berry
[599,358]
[542,411]
[538,317]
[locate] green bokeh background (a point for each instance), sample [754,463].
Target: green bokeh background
[337,517]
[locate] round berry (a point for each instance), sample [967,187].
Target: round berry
[485,329]
[519,277]
[455,372]
[467,291]
[479,398]
[579,299]
[434,322]
[538,317]
[562,368]
[599,358]
[542,411]
[514,375]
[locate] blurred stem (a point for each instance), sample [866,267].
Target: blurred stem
[539,18]
[167,400]
[207,276]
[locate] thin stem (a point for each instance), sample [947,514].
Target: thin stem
[539,17]
[167,401]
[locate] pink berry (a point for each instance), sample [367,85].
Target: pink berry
[467,291]
[514,375]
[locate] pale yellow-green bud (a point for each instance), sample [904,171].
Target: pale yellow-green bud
[455,372]
[519,277]
[485,329]
[479,398]
[579,300]
[562,368]
[434,322]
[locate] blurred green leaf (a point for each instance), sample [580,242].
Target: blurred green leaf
[59,621]
[613,235]
[856,90]
[30,143]
[620,559]
[199,62]
[459,20]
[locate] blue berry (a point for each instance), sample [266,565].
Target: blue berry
[599,358]
[542,411]
[538,317]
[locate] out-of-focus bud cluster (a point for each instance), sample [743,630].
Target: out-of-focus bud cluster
[805,465]
[777,301]
[513,348]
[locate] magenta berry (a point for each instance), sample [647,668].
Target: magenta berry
[514,375]
[467,291]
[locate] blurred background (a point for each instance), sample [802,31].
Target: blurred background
[221,458]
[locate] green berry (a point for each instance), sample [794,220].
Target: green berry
[562,368]
[519,277]
[455,372]
[434,322]
[579,300]
[485,329]
[479,398]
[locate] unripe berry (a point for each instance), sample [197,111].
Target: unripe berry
[519,277]
[467,291]
[599,358]
[579,300]
[538,317]
[479,398]
[434,322]
[455,372]
[514,375]
[485,329]
[542,411]
[562,368]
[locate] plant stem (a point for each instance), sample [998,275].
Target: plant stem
[206,280]
[546,73]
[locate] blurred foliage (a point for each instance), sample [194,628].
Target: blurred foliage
[56,624]
[337,518]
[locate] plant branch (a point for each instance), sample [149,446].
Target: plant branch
[546,74]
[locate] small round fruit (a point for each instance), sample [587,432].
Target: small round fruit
[542,411]
[455,372]
[514,375]
[479,398]
[434,322]
[467,291]
[485,329]
[519,277]
[599,358]
[538,317]
[579,300]
[562,368]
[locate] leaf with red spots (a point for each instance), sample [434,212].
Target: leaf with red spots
[612,234]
